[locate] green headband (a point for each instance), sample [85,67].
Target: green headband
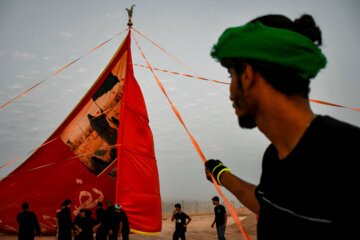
[282,47]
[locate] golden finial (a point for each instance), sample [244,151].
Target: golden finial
[130,13]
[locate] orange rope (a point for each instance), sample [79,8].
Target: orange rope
[61,69]
[334,105]
[165,51]
[12,161]
[68,131]
[182,74]
[231,209]
[201,78]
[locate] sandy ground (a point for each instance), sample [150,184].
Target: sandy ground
[198,229]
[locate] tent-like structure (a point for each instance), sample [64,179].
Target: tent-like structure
[104,150]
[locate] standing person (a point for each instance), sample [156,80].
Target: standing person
[84,224]
[64,222]
[28,223]
[180,222]
[108,217]
[309,170]
[101,232]
[57,220]
[220,218]
[120,225]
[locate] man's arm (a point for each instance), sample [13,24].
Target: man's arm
[120,228]
[189,220]
[212,225]
[36,225]
[225,220]
[173,214]
[243,191]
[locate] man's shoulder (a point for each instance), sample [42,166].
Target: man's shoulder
[184,214]
[332,125]
[330,132]
[221,207]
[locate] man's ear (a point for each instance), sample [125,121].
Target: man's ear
[247,76]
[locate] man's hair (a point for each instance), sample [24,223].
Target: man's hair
[67,202]
[216,198]
[25,206]
[99,204]
[284,80]
[178,205]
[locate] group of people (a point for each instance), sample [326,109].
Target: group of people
[182,220]
[110,223]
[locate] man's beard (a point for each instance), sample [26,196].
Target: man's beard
[247,121]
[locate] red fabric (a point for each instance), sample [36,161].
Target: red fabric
[55,172]
[139,192]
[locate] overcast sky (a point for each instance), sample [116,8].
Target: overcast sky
[39,37]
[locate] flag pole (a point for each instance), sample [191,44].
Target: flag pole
[130,13]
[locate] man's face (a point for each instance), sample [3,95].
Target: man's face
[239,97]
[83,214]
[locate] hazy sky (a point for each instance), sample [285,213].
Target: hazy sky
[38,37]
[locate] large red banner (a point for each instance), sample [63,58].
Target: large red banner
[78,161]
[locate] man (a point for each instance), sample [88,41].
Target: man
[120,225]
[108,217]
[84,224]
[307,185]
[64,222]
[180,222]
[220,218]
[101,232]
[28,223]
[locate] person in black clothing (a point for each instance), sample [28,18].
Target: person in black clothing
[220,218]
[309,171]
[108,217]
[64,222]
[101,232]
[120,225]
[180,222]
[28,223]
[84,224]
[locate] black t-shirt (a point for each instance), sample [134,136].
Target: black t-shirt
[120,217]
[86,224]
[108,217]
[220,215]
[311,194]
[64,219]
[28,224]
[180,221]
[100,215]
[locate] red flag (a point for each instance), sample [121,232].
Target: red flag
[78,162]
[136,160]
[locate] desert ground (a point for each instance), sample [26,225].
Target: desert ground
[198,229]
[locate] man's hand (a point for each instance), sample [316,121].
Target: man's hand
[216,168]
